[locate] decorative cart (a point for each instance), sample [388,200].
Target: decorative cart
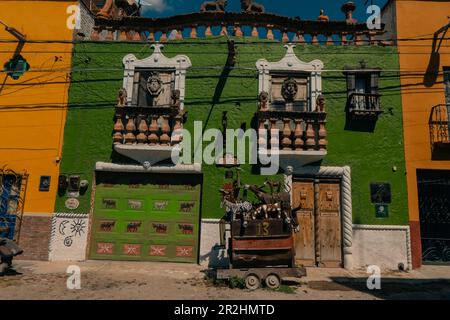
[261,240]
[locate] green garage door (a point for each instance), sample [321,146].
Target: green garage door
[146,217]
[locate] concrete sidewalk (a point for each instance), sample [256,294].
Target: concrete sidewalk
[426,274]
[138,280]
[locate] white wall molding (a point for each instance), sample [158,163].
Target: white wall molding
[68,237]
[404,228]
[343,173]
[289,64]
[157,60]
[391,229]
[179,168]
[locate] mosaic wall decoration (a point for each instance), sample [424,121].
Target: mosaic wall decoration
[134,227]
[68,238]
[132,249]
[184,251]
[109,204]
[159,228]
[187,229]
[135,204]
[107,225]
[158,251]
[160,205]
[187,206]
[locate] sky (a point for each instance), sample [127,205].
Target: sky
[305,9]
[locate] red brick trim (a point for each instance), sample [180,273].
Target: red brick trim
[416,244]
[35,237]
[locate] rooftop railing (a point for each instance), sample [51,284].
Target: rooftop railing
[262,25]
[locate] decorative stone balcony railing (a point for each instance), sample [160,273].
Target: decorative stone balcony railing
[364,104]
[141,129]
[299,138]
[234,24]
[439,128]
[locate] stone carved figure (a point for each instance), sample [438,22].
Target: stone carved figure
[154,84]
[214,6]
[176,99]
[289,89]
[122,99]
[249,6]
[320,103]
[263,101]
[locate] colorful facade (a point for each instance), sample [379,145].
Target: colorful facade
[36,59]
[333,97]
[419,29]
[342,159]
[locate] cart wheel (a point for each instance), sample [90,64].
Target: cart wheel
[252,282]
[273,281]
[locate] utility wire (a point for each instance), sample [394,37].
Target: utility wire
[206,42]
[75,70]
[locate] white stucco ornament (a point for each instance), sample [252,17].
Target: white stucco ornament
[292,64]
[179,64]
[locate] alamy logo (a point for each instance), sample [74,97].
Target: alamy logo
[74,280]
[374,280]
[191,149]
[74,19]
[374,20]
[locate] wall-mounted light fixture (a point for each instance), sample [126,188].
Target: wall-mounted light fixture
[63,183]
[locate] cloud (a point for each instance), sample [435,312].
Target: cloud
[155,5]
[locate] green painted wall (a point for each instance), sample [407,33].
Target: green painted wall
[97,77]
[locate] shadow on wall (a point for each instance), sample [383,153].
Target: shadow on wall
[360,125]
[432,72]
[216,257]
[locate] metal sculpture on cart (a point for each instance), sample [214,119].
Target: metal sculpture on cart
[261,245]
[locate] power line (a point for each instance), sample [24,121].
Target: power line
[207,41]
[75,70]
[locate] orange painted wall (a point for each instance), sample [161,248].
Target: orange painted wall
[417,19]
[32,108]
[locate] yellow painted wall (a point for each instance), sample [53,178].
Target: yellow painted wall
[30,134]
[420,19]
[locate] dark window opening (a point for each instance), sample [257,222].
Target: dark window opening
[363,91]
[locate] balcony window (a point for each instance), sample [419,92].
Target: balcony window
[291,111]
[439,132]
[149,114]
[362,91]
[447,84]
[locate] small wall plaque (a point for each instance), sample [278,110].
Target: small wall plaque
[44,184]
[380,193]
[381,210]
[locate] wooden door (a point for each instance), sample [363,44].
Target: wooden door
[303,197]
[319,242]
[329,220]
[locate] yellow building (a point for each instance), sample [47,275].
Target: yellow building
[420,29]
[37,35]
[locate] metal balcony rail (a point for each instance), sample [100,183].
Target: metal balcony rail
[365,102]
[439,125]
